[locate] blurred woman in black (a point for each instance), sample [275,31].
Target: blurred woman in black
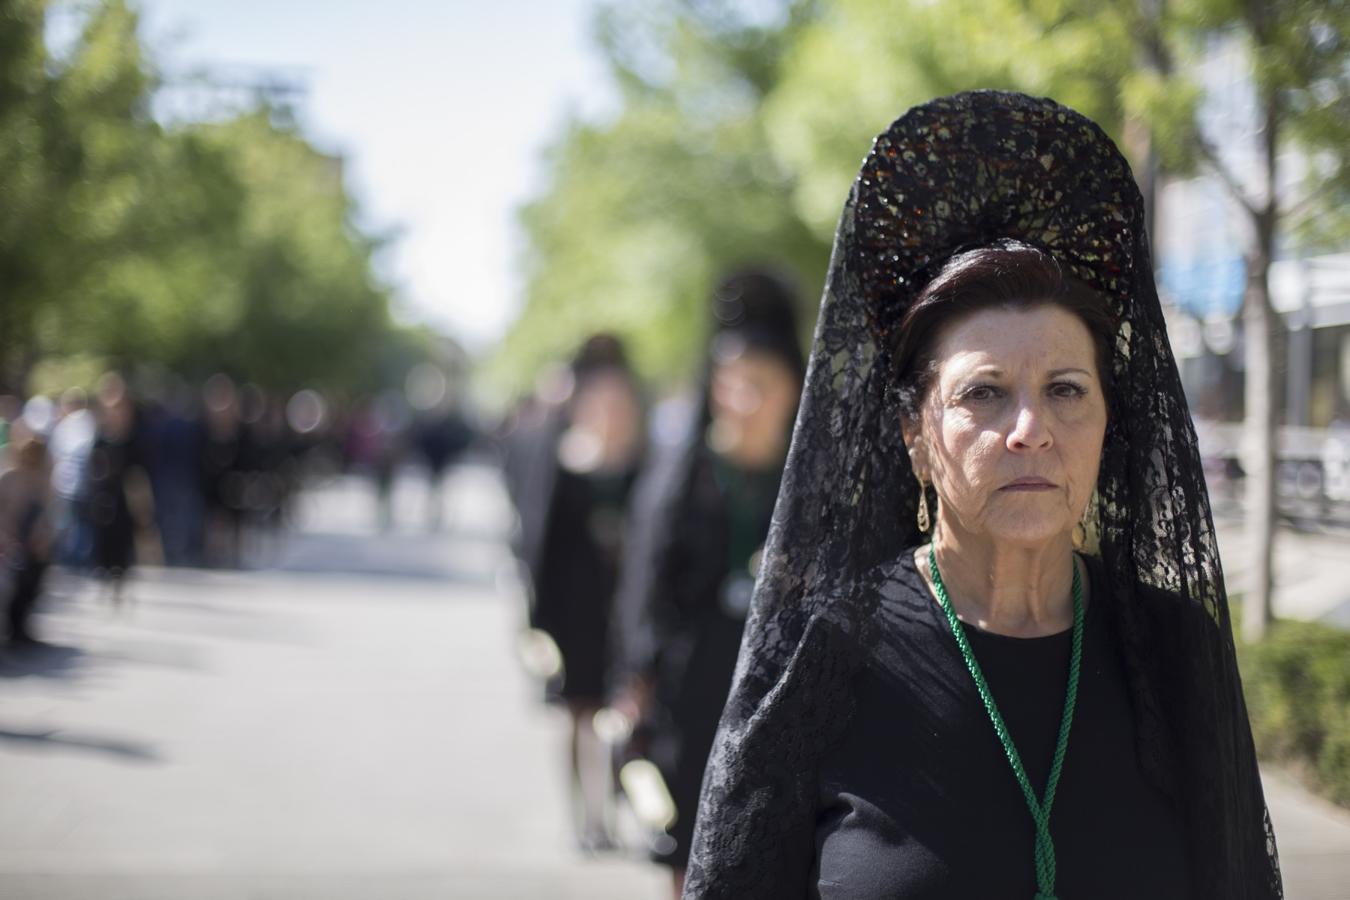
[117,452]
[25,530]
[575,470]
[220,451]
[701,517]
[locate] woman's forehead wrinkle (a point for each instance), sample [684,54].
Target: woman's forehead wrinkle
[973,364]
[992,351]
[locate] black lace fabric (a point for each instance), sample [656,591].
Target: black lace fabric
[956,173]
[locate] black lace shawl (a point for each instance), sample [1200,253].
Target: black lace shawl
[955,173]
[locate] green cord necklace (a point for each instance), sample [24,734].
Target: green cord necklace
[1040,810]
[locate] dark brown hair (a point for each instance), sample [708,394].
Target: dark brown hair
[1007,274]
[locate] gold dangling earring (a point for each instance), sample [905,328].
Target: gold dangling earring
[924,521]
[1080,532]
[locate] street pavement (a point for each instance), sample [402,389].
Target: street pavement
[343,719]
[1311,571]
[349,723]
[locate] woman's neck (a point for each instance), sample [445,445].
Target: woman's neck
[1015,590]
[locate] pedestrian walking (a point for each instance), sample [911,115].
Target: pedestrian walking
[70,446]
[443,435]
[220,471]
[116,460]
[25,531]
[583,463]
[705,508]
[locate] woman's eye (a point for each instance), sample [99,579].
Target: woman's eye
[981,392]
[1067,390]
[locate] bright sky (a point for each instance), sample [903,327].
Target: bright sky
[441,109]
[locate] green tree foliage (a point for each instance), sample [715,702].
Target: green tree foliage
[295,277]
[84,146]
[225,245]
[864,62]
[642,211]
[38,164]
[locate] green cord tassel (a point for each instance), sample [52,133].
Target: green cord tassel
[1040,808]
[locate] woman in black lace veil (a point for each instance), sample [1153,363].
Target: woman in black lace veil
[700,518]
[964,172]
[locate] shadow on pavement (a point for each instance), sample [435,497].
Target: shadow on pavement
[40,660]
[55,737]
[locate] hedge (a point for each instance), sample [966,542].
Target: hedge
[1297,684]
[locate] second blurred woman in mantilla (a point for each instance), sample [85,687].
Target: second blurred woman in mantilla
[700,520]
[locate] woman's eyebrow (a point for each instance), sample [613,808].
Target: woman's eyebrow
[1055,373]
[981,371]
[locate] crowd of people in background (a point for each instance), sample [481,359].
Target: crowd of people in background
[640,534]
[180,475]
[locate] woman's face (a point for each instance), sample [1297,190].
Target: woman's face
[606,422]
[1011,431]
[754,397]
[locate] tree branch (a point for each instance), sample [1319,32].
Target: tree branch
[1216,165]
[1296,211]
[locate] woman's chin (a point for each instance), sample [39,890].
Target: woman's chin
[1029,532]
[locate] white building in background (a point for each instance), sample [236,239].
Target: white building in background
[1200,234]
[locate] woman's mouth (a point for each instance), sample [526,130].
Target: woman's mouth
[1030,484]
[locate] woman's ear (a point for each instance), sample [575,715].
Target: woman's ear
[918,457]
[909,432]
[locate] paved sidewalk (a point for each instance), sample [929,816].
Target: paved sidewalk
[354,728]
[1314,841]
[1312,572]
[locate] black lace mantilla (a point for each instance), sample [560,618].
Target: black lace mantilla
[955,173]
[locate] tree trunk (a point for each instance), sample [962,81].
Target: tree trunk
[1138,141]
[1262,326]
[1259,321]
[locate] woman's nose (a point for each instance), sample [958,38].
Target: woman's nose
[1029,431]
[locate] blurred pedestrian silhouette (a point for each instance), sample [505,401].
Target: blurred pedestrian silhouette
[116,466]
[26,535]
[442,436]
[220,460]
[375,445]
[71,445]
[700,519]
[573,468]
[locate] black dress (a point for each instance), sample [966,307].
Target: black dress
[114,529]
[697,594]
[919,801]
[529,463]
[577,573]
